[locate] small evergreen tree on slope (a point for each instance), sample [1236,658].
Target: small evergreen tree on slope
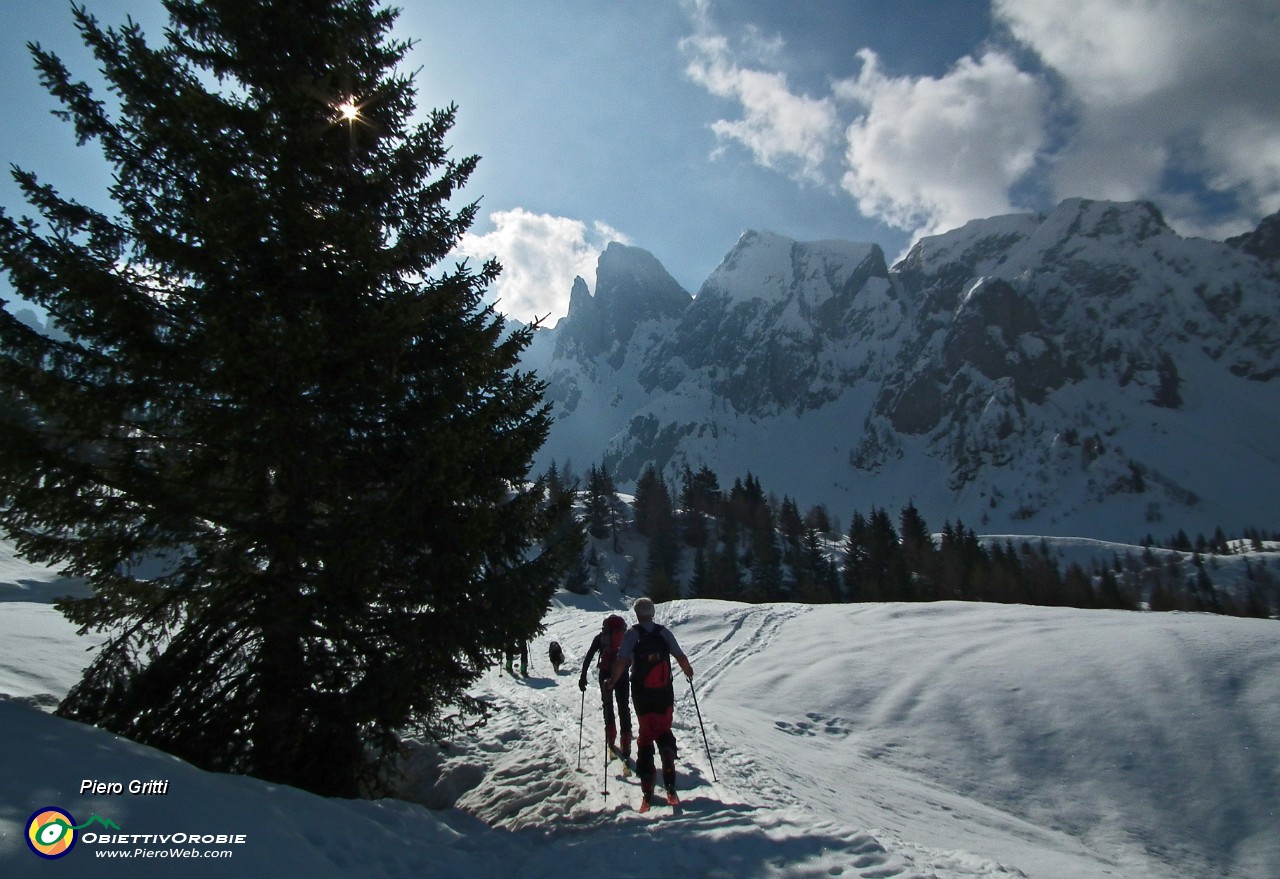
[283,442]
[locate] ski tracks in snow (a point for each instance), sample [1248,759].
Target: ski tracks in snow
[527,773]
[750,772]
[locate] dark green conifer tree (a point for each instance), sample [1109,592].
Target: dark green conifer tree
[1077,588]
[568,533]
[600,503]
[1255,604]
[918,554]
[1003,582]
[698,579]
[1111,594]
[1042,581]
[285,440]
[818,519]
[724,568]
[653,501]
[791,527]
[816,581]
[693,526]
[854,563]
[656,519]
[885,574]
[766,558]
[952,580]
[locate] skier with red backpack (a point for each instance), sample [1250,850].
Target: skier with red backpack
[606,644]
[646,653]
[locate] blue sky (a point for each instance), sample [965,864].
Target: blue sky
[675,125]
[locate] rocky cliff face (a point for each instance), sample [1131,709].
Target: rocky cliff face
[1087,371]
[780,326]
[1263,242]
[632,289]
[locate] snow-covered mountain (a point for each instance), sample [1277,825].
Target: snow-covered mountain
[1086,371]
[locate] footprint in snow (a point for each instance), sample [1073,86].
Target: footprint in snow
[815,724]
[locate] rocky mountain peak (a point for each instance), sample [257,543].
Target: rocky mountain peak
[1088,218]
[771,268]
[1084,371]
[632,287]
[1263,242]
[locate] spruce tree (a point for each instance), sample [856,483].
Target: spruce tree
[885,575]
[816,582]
[766,558]
[855,573]
[601,505]
[285,440]
[652,501]
[699,498]
[724,573]
[698,579]
[655,518]
[918,554]
[568,533]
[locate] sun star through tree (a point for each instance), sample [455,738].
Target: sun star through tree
[349,111]
[283,440]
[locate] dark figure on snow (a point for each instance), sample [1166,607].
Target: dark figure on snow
[520,647]
[556,655]
[646,652]
[606,644]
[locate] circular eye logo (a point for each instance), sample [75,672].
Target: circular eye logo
[51,832]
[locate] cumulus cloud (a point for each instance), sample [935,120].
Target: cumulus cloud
[920,153]
[1169,100]
[783,131]
[1160,88]
[929,153]
[540,255]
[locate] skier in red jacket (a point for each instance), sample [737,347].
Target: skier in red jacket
[646,652]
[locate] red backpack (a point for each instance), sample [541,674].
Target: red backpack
[651,688]
[611,639]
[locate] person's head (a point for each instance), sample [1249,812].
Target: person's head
[644,610]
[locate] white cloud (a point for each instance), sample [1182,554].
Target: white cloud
[540,255]
[782,130]
[1159,86]
[922,152]
[1167,100]
[931,153]
[1112,52]
[1246,155]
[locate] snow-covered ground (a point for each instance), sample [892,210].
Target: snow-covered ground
[945,741]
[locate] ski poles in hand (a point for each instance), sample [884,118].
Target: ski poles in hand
[705,744]
[581,712]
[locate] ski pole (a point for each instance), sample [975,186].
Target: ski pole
[703,728]
[581,713]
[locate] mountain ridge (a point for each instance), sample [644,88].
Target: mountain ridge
[1081,371]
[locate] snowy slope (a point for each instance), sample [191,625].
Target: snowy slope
[947,741]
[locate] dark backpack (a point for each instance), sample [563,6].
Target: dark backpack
[610,640]
[651,687]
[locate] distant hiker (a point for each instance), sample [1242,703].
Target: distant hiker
[520,647]
[646,652]
[556,655]
[606,644]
